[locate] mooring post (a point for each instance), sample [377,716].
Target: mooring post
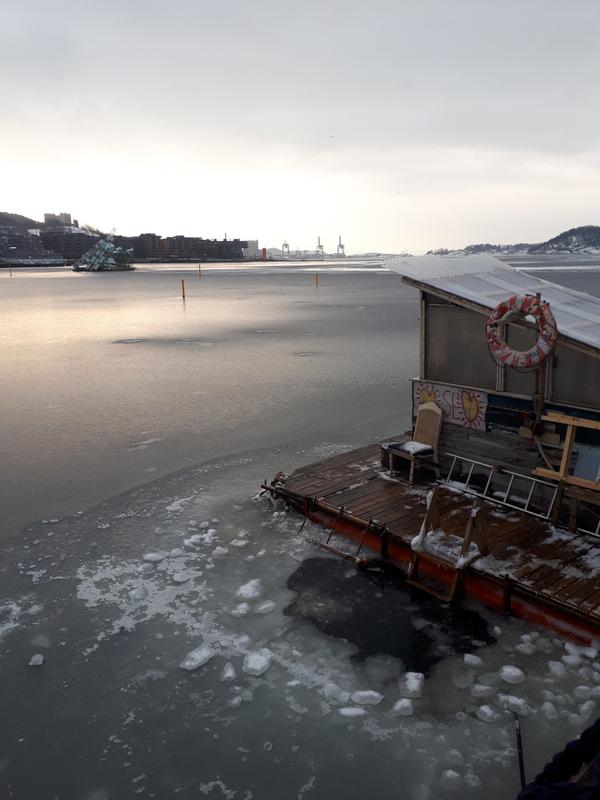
[183,289]
[317,279]
[199,271]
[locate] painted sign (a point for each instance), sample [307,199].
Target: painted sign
[464,407]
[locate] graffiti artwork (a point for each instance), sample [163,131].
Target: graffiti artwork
[464,407]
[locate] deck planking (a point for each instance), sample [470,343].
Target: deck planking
[555,567]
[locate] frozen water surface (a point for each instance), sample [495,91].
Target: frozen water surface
[320,679]
[278,704]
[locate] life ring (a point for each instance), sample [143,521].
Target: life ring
[525,305]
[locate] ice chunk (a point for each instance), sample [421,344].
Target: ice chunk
[511,674]
[411,684]
[462,680]
[154,558]
[582,692]
[587,709]
[557,668]
[472,660]
[198,657]
[228,672]
[333,693]
[218,552]
[526,648]
[352,711]
[513,703]
[481,690]
[181,577]
[548,709]
[251,590]
[486,714]
[265,607]
[257,662]
[144,569]
[36,660]
[366,698]
[138,594]
[455,757]
[571,660]
[451,780]
[238,543]
[176,552]
[241,610]
[403,708]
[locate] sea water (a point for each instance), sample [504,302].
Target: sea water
[193,642]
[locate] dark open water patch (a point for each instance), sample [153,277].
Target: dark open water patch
[379,613]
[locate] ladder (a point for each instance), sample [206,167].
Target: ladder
[448,561]
[454,584]
[504,495]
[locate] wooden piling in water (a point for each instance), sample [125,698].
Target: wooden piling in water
[183,289]
[316,279]
[199,270]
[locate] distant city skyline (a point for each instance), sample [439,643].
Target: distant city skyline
[399,125]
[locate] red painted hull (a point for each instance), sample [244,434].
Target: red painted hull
[486,589]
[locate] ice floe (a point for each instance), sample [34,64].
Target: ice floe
[411,684]
[352,711]
[198,657]
[251,590]
[367,697]
[257,662]
[511,674]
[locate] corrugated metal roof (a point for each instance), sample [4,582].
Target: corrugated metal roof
[484,280]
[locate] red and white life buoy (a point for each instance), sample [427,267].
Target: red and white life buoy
[525,305]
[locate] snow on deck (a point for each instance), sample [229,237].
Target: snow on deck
[555,564]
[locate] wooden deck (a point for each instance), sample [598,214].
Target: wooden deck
[556,568]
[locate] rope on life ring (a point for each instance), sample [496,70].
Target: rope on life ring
[508,310]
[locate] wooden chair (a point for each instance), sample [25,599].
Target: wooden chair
[422,450]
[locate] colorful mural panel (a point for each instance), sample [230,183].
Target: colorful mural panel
[464,407]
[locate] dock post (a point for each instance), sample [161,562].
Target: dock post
[317,279]
[182,289]
[199,270]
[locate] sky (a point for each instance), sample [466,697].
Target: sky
[401,125]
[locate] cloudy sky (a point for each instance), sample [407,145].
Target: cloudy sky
[400,124]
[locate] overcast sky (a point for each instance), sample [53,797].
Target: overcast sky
[399,125]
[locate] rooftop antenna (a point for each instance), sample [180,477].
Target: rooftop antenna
[320,250]
[341,249]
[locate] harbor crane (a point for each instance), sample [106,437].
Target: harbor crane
[320,250]
[341,248]
[285,249]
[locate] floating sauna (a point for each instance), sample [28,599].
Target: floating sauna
[502,502]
